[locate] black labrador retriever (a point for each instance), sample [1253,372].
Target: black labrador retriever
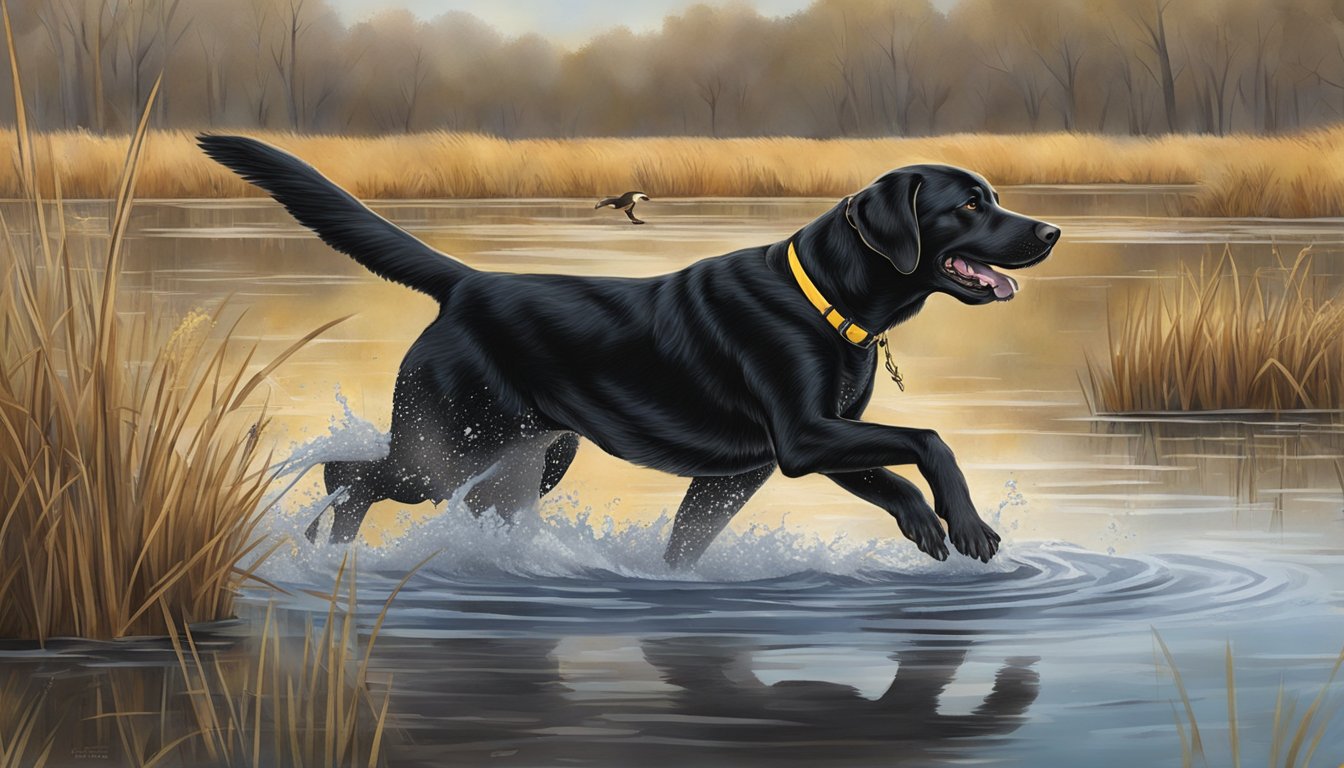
[720,372]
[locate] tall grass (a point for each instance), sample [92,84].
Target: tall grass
[1220,340]
[301,702]
[22,743]
[1294,738]
[279,698]
[1284,176]
[131,473]
[454,165]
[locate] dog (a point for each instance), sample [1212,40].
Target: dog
[720,372]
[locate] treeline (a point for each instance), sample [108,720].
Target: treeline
[839,68]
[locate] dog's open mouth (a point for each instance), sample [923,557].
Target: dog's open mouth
[974,276]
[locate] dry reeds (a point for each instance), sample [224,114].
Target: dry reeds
[22,743]
[279,698]
[1280,176]
[1221,340]
[131,474]
[1293,741]
[450,165]
[298,702]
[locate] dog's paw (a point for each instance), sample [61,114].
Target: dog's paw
[974,538]
[926,532]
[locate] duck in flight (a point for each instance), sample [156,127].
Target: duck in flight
[625,203]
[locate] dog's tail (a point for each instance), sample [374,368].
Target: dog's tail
[336,216]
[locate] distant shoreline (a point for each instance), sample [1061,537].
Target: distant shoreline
[1300,175]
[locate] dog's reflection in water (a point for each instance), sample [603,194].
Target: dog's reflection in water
[708,674]
[516,701]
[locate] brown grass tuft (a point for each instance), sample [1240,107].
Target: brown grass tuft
[288,695]
[294,701]
[123,486]
[1280,176]
[1224,341]
[452,165]
[22,741]
[1288,731]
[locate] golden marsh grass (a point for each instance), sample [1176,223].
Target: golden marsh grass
[1238,175]
[130,493]
[293,701]
[1221,340]
[285,696]
[1294,737]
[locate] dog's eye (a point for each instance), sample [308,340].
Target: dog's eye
[971,204]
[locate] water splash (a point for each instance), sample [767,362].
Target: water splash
[565,537]
[348,438]
[1012,498]
[567,542]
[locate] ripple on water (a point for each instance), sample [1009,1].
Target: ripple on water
[570,569]
[562,574]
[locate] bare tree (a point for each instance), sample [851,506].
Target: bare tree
[51,17]
[710,89]
[261,74]
[1027,83]
[1156,41]
[286,58]
[1212,97]
[410,87]
[934,97]
[216,86]
[149,36]
[1137,107]
[900,62]
[78,32]
[844,97]
[1063,67]
[1262,96]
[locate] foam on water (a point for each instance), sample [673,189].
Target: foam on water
[563,538]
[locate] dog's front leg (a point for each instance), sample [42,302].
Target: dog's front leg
[709,504]
[903,501]
[836,445]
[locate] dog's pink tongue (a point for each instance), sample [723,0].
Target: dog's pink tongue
[1003,285]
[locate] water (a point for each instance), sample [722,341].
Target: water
[812,632]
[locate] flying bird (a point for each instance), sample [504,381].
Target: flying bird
[625,203]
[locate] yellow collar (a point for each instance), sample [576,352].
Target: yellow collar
[852,333]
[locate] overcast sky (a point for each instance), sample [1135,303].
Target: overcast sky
[564,21]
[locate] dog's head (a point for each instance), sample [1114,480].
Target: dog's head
[943,228]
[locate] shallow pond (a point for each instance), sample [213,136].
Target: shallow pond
[812,632]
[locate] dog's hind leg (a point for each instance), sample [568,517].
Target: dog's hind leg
[364,483]
[357,480]
[709,504]
[558,458]
[510,478]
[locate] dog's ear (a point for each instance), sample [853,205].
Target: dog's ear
[884,215]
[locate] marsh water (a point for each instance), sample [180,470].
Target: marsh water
[812,632]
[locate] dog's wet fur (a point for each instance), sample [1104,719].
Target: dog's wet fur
[720,372]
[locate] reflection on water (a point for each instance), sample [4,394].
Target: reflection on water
[811,632]
[701,698]
[777,664]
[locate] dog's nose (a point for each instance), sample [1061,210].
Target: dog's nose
[1047,233]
